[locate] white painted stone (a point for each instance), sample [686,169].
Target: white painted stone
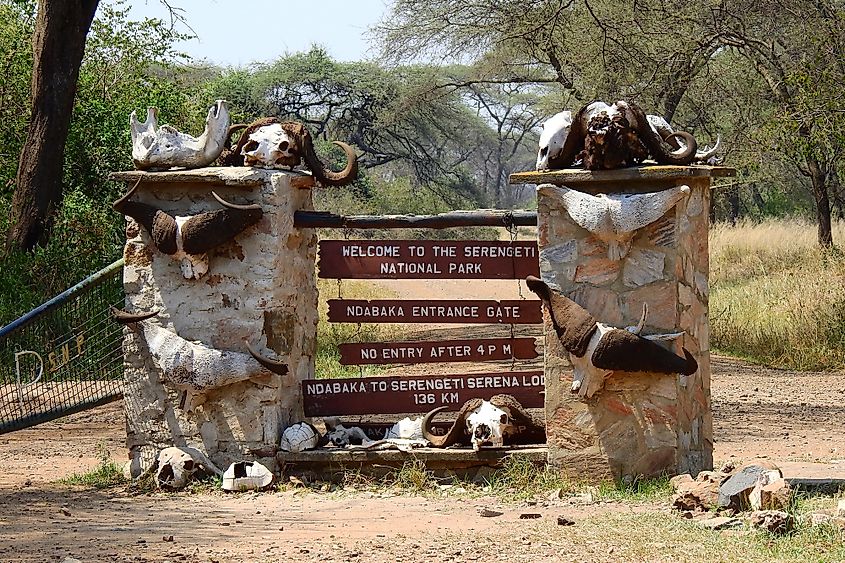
[614,218]
[259,288]
[642,267]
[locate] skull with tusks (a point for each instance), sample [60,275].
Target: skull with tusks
[268,147]
[176,466]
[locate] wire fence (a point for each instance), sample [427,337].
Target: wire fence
[65,356]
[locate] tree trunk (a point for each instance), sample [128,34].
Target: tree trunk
[819,179]
[58,45]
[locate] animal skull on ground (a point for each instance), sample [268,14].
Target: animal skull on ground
[481,422]
[405,429]
[615,218]
[340,436]
[268,147]
[176,466]
[161,148]
[596,350]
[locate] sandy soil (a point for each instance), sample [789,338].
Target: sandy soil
[758,412]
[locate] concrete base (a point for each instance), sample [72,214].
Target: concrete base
[462,463]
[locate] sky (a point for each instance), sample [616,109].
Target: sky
[238,32]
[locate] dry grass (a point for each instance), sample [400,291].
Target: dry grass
[776,298]
[330,335]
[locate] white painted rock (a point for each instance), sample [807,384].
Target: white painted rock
[246,476]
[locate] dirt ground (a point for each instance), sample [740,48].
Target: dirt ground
[758,412]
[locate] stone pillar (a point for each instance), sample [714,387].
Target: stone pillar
[639,424]
[259,287]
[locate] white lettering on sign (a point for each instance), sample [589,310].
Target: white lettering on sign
[374,311]
[378,251]
[483,251]
[335,387]
[410,268]
[445,311]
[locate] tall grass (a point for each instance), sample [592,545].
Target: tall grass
[330,335]
[776,297]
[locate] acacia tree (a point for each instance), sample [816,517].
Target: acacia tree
[656,52]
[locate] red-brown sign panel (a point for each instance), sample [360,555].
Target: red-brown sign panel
[418,259]
[392,395]
[480,350]
[525,311]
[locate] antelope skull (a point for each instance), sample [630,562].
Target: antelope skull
[596,350]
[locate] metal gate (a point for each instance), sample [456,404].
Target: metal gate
[64,356]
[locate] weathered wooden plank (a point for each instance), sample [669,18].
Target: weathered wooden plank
[235,176]
[478,218]
[393,395]
[418,259]
[571,176]
[478,350]
[525,311]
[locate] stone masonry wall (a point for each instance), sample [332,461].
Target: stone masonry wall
[260,287]
[640,423]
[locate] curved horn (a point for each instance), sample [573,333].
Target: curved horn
[573,324]
[620,350]
[123,317]
[320,171]
[454,434]
[639,328]
[656,145]
[275,366]
[226,204]
[161,226]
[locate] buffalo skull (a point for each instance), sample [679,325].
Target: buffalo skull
[596,350]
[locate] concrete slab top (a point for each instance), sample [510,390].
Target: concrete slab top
[244,176]
[455,455]
[574,176]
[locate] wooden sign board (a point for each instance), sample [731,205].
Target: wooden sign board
[428,259]
[526,311]
[394,395]
[480,350]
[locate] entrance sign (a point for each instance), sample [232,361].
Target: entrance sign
[413,394]
[435,311]
[480,350]
[415,259]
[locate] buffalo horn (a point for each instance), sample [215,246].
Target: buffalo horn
[275,366]
[160,225]
[205,231]
[123,317]
[573,324]
[620,350]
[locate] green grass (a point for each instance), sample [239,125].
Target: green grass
[330,335]
[107,474]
